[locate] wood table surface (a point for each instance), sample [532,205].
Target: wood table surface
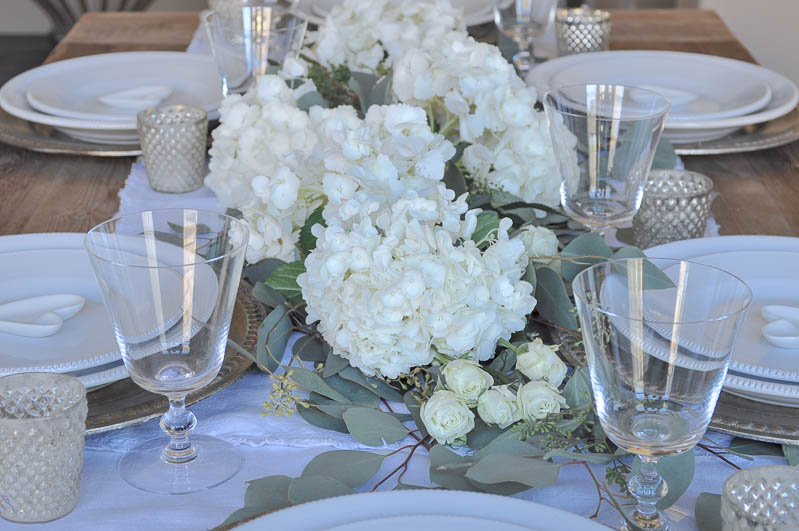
[60,193]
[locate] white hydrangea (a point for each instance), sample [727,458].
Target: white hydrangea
[367,36]
[408,282]
[478,98]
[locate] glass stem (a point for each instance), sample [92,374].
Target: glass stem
[648,488]
[524,59]
[178,423]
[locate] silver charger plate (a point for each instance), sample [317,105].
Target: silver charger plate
[45,139]
[771,134]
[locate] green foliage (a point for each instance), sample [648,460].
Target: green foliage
[554,304]
[708,512]
[373,427]
[351,467]
[311,348]
[333,365]
[577,391]
[284,279]
[504,468]
[747,447]
[307,242]
[583,252]
[260,271]
[333,85]
[273,336]
[791,454]
[306,489]
[378,387]
[487,223]
[677,471]
[313,382]
[454,180]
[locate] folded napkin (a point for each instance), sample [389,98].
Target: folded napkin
[39,316]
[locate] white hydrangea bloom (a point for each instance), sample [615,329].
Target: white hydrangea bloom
[367,36]
[408,282]
[478,98]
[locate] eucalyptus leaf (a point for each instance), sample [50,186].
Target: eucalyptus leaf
[500,198]
[652,276]
[553,301]
[267,295]
[507,47]
[356,394]
[377,386]
[373,427]
[791,454]
[380,93]
[273,336]
[168,237]
[665,156]
[502,488]
[307,241]
[597,459]
[739,445]
[313,382]
[313,416]
[284,279]
[708,512]
[448,469]
[502,468]
[270,493]
[310,348]
[407,486]
[677,471]
[362,83]
[503,362]
[351,467]
[334,409]
[530,276]
[482,434]
[577,391]
[260,271]
[311,99]
[583,252]
[414,405]
[477,200]
[306,489]
[508,443]
[333,365]
[454,180]
[487,222]
[238,515]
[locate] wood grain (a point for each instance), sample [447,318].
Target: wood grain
[46,193]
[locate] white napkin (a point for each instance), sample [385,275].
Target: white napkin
[39,316]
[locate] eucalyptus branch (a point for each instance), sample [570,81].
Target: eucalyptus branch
[718,454]
[402,466]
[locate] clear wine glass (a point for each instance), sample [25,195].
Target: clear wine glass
[605,138]
[169,279]
[522,21]
[658,335]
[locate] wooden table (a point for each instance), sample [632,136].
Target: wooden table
[48,193]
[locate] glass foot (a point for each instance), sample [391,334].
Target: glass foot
[144,467]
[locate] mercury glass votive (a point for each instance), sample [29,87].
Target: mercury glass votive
[581,30]
[764,498]
[173,142]
[42,425]
[675,206]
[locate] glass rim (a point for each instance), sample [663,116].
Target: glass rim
[63,379]
[234,250]
[728,315]
[664,173]
[150,116]
[646,116]
[753,471]
[301,21]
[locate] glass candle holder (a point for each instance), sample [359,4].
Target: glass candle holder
[42,424]
[675,206]
[581,30]
[764,498]
[173,141]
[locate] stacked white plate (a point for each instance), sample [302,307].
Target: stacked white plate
[710,96]
[96,98]
[768,264]
[46,264]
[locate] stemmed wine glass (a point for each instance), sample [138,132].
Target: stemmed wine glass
[658,335]
[522,21]
[604,138]
[169,279]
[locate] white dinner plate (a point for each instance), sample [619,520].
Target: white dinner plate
[13,99]
[768,265]
[679,71]
[762,389]
[421,510]
[474,11]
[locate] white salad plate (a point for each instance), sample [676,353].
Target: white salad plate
[421,509]
[713,95]
[14,94]
[768,265]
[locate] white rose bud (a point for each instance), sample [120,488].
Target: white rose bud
[539,399]
[446,417]
[499,406]
[539,241]
[538,361]
[467,380]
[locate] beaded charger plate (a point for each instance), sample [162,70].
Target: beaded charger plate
[124,403]
[734,415]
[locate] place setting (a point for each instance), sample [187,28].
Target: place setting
[370,271]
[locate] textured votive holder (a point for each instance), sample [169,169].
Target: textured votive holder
[173,141]
[763,498]
[675,206]
[42,425]
[582,30]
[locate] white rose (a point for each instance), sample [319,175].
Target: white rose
[539,399]
[538,361]
[446,417]
[467,380]
[539,242]
[499,406]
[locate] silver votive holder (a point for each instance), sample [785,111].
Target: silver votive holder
[173,142]
[675,206]
[42,426]
[764,498]
[581,30]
